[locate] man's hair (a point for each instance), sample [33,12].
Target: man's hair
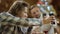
[17,6]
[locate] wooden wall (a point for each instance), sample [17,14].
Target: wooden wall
[31,2]
[5,5]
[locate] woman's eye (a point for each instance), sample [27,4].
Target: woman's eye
[34,12]
[25,12]
[37,11]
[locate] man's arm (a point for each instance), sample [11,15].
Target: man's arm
[15,20]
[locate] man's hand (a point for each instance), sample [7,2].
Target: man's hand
[36,30]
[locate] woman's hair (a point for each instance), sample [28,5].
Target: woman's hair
[17,6]
[32,7]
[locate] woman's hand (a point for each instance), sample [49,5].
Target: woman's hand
[47,21]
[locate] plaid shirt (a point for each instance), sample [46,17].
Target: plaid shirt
[6,17]
[10,23]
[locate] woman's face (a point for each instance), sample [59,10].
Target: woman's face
[23,13]
[35,12]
